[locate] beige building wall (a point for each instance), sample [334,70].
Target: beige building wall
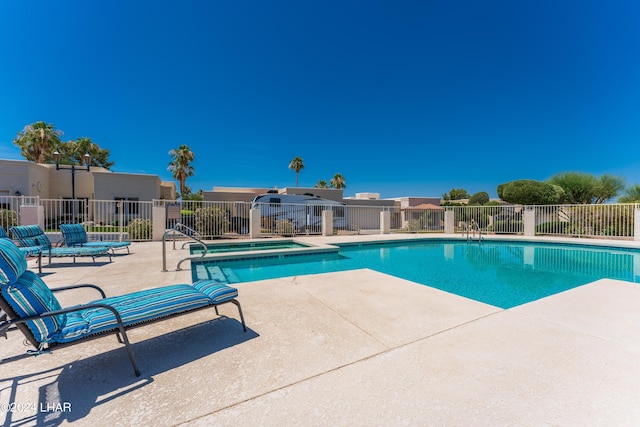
[108,186]
[31,179]
[28,178]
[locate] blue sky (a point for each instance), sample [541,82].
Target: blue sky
[401,97]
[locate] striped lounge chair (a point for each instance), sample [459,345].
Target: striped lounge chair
[29,251]
[29,236]
[74,235]
[33,308]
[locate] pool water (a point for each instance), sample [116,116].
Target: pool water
[246,246]
[501,274]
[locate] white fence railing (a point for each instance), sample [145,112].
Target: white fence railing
[594,221]
[490,219]
[132,220]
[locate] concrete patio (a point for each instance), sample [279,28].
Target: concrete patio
[351,348]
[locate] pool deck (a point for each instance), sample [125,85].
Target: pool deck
[351,348]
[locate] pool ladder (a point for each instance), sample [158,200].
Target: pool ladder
[471,229]
[181,230]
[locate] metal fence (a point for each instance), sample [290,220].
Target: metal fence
[614,221]
[133,220]
[504,219]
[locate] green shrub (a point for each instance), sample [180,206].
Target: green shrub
[414,225]
[211,221]
[8,218]
[553,227]
[284,227]
[139,229]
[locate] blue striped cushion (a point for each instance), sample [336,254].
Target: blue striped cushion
[218,292]
[134,308]
[29,296]
[30,235]
[76,251]
[3,233]
[73,234]
[12,262]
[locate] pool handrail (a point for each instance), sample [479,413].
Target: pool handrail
[164,247]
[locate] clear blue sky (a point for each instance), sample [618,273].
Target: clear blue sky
[401,97]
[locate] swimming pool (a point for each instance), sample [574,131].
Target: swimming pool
[215,248]
[497,273]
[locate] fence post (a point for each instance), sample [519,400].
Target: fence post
[385,222]
[255,229]
[158,222]
[449,222]
[32,214]
[636,223]
[529,220]
[327,223]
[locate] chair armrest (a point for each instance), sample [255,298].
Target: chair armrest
[6,325]
[66,288]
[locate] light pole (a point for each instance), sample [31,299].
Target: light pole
[87,161]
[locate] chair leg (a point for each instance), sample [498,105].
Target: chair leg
[39,261]
[237,303]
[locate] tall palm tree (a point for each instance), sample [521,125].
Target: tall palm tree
[338,181]
[38,141]
[180,166]
[297,165]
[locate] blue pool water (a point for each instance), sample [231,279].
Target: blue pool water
[497,273]
[246,246]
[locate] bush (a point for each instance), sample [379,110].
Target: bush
[211,221]
[139,229]
[284,227]
[553,227]
[414,225]
[8,218]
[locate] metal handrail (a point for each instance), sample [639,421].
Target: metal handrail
[187,231]
[164,247]
[475,226]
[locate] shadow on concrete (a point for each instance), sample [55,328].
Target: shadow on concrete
[86,383]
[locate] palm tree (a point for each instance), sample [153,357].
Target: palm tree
[74,151]
[180,166]
[338,181]
[631,195]
[321,184]
[297,165]
[38,141]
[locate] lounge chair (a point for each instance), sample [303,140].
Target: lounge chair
[29,251]
[29,236]
[74,235]
[32,307]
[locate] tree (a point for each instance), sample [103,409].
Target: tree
[530,192]
[322,184]
[608,187]
[338,181]
[38,141]
[584,188]
[180,166]
[631,195]
[456,194]
[297,165]
[193,196]
[480,198]
[73,152]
